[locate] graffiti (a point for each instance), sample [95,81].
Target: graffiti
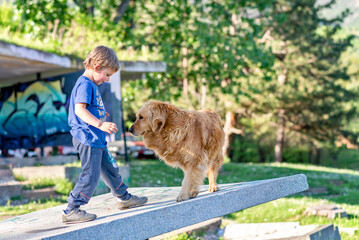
[34,111]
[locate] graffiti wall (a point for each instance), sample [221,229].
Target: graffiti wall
[35,113]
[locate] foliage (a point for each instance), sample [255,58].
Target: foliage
[38,183]
[314,96]
[63,186]
[13,210]
[226,56]
[67,29]
[206,45]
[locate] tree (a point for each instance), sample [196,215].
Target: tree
[309,96]
[212,49]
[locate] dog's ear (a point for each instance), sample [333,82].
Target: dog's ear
[158,123]
[158,120]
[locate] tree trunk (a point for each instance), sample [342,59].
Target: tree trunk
[120,11]
[203,95]
[229,129]
[317,156]
[278,149]
[185,78]
[261,152]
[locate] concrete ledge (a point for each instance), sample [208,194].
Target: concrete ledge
[41,161]
[71,173]
[160,215]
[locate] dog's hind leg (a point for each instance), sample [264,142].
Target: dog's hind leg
[213,173]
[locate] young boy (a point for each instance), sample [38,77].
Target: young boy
[87,118]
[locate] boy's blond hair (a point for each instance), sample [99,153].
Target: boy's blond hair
[103,56]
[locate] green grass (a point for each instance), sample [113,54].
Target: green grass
[341,187]
[32,206]
[347,159]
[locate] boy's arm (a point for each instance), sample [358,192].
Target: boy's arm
[87,117]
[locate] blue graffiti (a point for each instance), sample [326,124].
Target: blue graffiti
[33,111]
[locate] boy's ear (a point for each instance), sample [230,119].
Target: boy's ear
[96,67]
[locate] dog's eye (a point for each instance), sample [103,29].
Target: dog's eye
[140,117]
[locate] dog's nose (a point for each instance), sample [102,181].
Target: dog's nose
[130,130]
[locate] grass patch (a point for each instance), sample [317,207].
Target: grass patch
[347,159]
[11,210]
[341,188]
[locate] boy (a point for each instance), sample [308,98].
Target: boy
[87,118]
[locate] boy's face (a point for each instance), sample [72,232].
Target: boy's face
[102,75]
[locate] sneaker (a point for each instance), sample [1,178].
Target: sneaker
[133,201]
[77,216]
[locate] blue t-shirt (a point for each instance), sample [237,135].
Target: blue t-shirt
[86,91]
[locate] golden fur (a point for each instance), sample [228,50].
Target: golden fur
[191,140]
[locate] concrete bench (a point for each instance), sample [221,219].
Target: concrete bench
[160,215]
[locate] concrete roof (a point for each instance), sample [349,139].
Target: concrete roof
[22,64]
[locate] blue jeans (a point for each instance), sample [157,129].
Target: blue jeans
[95,162]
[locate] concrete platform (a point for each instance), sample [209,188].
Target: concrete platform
[160,215]
[280,231]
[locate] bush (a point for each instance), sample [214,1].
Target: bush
[63,186]
[296,155]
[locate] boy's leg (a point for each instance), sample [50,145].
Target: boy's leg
[85,186]
[111,176]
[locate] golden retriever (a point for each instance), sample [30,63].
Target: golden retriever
[191,140]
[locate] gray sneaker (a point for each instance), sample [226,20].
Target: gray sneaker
[77,216]
[133,201]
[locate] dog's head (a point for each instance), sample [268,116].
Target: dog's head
[150,118]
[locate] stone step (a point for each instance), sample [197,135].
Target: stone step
[40,193]
[9,189]
[160,215]
[279,231]
[211,226]
[331,211]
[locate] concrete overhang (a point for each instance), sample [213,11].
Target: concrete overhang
[22,64]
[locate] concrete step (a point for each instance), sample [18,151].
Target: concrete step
[9,189]
[211,226]
[160,215]
[6,173]
[280,231]
[40,193]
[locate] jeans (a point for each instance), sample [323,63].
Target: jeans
[95,162]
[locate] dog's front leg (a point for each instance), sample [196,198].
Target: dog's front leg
[186,186]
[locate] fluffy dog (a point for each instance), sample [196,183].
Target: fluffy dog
[191,140]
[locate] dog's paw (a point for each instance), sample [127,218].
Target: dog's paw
[193,194]
[213,188]
[182,197]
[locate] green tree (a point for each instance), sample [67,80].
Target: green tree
[207,45]
[213,50]
[310,94]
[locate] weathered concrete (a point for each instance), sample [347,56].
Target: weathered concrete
[8,190]
[40,161]
[211,226]
[22,64]
[71,173]
[280,231]
[331,211]
[160,215]
[12,188]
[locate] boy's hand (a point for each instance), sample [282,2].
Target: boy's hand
[108,127]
